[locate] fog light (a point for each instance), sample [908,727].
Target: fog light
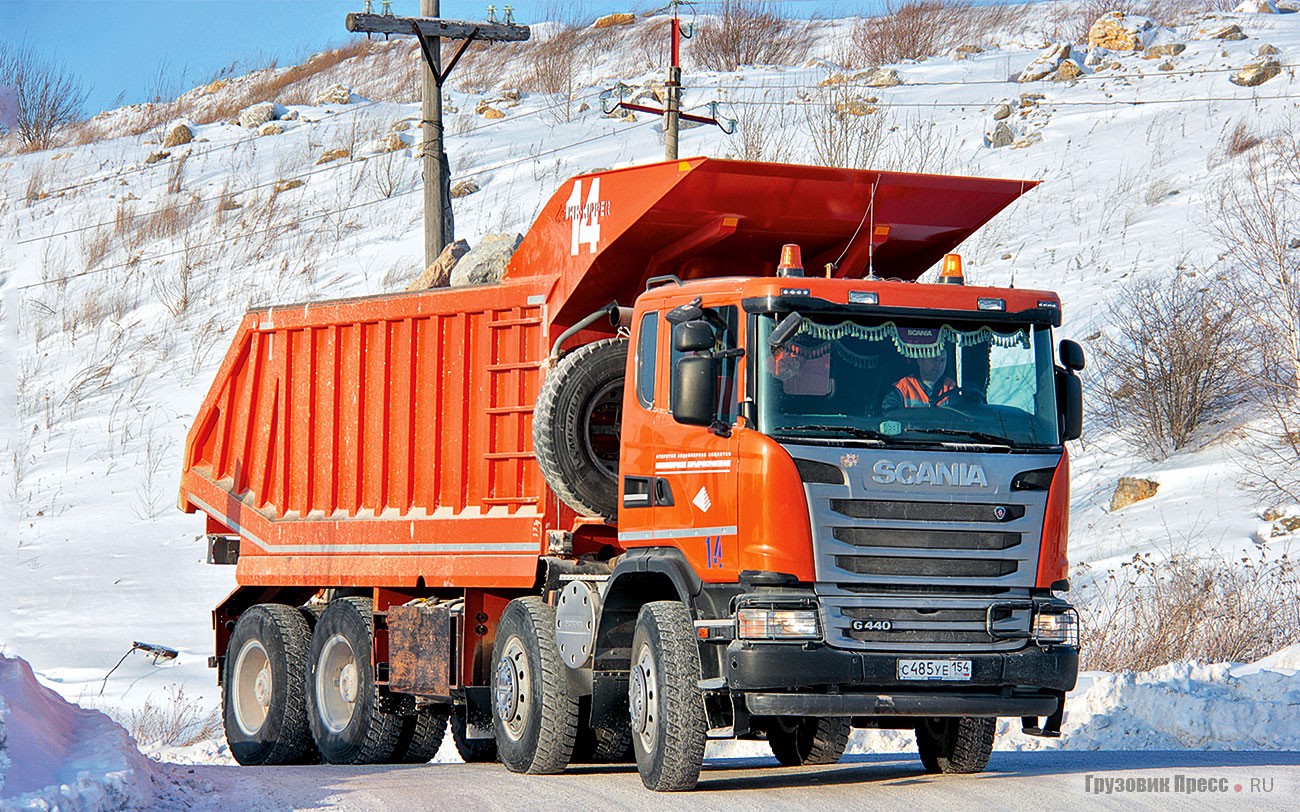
[1057,628]
[777,624]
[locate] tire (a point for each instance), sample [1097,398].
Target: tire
[959,744]
[347,722]
[533,715]
[263,704]
[603,745]
[473,751]
[798,741]
[421,735]
[576,424]
[669,727]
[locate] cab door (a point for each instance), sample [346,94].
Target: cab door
[695,467]
[642,409]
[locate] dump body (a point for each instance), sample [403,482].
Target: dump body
[380,442]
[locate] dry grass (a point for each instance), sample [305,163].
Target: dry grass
[177,720]
[1242,140]
[271,84]
[1152,611]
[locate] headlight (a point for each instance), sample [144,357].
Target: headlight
[1057,628]
[777,624]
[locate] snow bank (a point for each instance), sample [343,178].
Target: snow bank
[57,756]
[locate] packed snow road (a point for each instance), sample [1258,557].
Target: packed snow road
[1163,780]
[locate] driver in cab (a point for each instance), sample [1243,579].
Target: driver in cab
[930,386]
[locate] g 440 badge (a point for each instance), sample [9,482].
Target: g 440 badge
[872,625]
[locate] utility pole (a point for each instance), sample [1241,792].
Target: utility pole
[673,89]
[430,30]
[672,111]
[439,227]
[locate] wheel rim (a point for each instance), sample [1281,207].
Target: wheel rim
[513,689]
[643,699]
[253,686]
[337,683]
[601,419]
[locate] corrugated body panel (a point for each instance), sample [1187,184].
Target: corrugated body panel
[323,417]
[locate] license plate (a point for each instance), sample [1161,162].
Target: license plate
[927,670]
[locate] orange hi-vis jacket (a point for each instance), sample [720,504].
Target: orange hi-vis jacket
[914,394]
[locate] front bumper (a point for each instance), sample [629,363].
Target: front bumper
[816,680]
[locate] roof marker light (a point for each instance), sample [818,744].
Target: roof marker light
[991,304]
[791,261]
[951,273]
[869,297]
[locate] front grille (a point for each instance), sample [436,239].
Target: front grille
[926,511]
[925,539]
[925,567]
[921,624]
[923,589]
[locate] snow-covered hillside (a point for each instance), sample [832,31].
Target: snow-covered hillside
[125,264]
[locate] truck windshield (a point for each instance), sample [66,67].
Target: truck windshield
[905,381]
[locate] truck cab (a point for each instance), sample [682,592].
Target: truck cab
[860,555]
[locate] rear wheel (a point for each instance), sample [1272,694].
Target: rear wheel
[421,735]
[347,721]
[534,716]
[473,751]
[800,740]
[669,727]
[960,744]
[263,701]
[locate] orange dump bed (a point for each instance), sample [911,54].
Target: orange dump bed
[387,441]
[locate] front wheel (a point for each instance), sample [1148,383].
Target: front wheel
[797,741]
[960,744]
[534,715]
[669,727]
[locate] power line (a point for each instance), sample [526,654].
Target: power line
[1044,102]
[320,215]
[309,173]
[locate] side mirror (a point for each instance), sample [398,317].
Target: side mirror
[1069,403]
[695,389]
[1071,355]
[693,336]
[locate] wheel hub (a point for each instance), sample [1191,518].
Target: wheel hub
[636,699]
[513,689]
[348,682]
[338,683]
[262,688]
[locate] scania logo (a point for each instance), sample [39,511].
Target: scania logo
[958,474]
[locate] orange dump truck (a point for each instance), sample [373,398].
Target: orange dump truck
[661,483]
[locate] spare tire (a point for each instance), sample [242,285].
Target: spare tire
[576,426]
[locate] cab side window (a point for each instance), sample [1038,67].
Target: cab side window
[646,347]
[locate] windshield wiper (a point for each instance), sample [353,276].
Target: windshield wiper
[854,431]
[974,435]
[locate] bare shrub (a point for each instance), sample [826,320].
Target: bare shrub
[842,128]
[1170,362]
[1257,223]
[911,29]
[920,144]
[765,133]
[553,66]
[388,174]
[1153,611]
[47,95]
[749,32]
[177,720]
